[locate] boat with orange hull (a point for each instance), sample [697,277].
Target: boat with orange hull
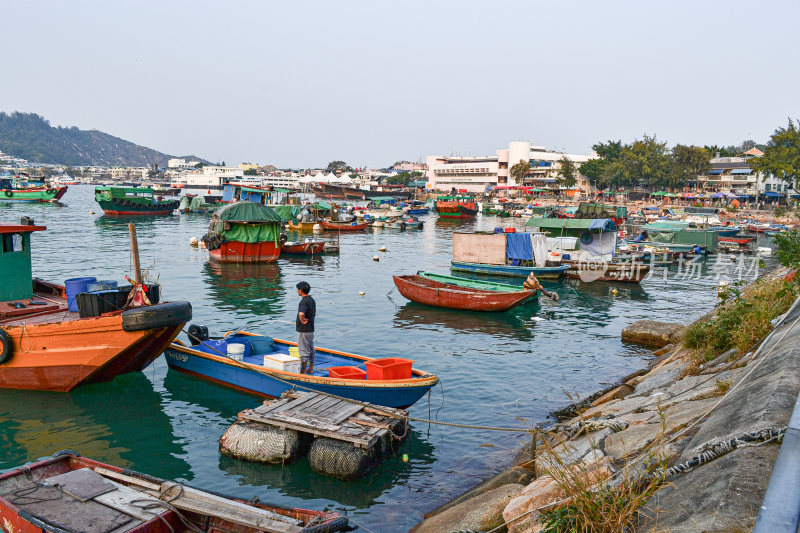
[244,232]
[456,206]
[303,248]
[343,226]
[45,346]
[737,240]
[467,296]
[67,492]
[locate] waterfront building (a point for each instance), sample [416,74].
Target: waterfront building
[476,173]
[207,181]
[733,175]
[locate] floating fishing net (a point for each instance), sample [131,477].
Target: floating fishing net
[341,459]
[261,443]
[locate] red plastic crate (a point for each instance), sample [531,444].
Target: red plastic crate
[389,368]
[510,230]
[346,372]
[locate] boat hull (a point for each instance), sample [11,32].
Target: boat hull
[303,248]
[32,195]
[302,226]
[629,271]
[509,270]
[131,208]
[63,355]
[332,226]
[430,292]
[245,252]
[247,378]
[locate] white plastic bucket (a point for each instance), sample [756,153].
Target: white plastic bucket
[236,351]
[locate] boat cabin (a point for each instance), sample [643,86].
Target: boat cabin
[107,193]
[15,261]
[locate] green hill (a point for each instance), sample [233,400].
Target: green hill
[31,137]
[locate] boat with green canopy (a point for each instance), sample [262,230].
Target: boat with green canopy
[458,293]
[244,232]
[132,201]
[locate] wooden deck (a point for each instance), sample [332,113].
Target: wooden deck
[324,416]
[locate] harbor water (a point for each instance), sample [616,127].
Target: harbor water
[508,369]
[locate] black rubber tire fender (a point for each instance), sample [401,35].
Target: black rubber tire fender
[282,238]
[156,316]
[9,193]
[335,525]
[5,347]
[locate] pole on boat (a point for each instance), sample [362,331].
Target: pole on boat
[135,252]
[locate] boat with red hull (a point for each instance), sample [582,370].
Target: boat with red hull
[343,226]
[45,346]
[456,206]
[467,296]
[737,240]
[132,201]
[244,232]
[66,492]
[303,248]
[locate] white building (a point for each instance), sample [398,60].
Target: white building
[734,175]
[207,181]
[475,174]
[177,162]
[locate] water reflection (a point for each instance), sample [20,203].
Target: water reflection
[509,324]
[254,287]
[111,422]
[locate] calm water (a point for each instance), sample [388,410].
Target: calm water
[507,369]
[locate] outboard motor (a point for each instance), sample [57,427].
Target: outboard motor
[197,334]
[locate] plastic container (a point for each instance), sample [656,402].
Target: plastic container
[153,292]
[498,230]
[74,287]
[91,304]
[281,361]
[510,230]
[565,257]
[102,285]
[261,345]
[236,351]
[294,351]
[346,372]
[389,368]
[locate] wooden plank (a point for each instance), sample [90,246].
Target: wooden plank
[376,425]
[345,413]
[126,479]
[198,501]
[300,425]
[307,397]
[337,411]
[121,500]
[384,411]
[322,406]
[267,407]
[302,405]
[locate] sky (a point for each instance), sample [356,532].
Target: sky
[301,83]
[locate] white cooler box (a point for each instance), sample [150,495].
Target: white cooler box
[280,361]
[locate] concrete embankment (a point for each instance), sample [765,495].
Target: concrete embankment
[674,412]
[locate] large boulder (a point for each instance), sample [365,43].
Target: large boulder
[481,513]
[652,333]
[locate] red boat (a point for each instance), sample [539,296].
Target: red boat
[439,294]
[44,346]
[344,226]
[758,228]
[67,492]
[737,240]
[244,232]
[303,248]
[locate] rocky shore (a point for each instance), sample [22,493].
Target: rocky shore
[665,416]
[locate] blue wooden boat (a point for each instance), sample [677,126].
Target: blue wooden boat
[509,270]
[728,231]
[418,211]
[208,360]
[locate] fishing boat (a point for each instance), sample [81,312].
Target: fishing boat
[456,206]
[244,232]
[737,240]
[625,271]
[303,248]
[503,254]
[758,227]
[267,369]
[69,493]
[46,346]
[417,208]
[406,222]
[458,293]
[303,226]
[23,189]
[343,226]
[514,271]
[132,201]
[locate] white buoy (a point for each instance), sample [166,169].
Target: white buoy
[91,212]
[614,292]
[376,258]
[361,293]
[382,249]
[317,227]
[193,241]
[763,250]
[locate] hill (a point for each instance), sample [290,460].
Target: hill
[31,137]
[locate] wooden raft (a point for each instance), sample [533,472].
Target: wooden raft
[323,416]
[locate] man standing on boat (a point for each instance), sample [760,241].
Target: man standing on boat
[304,325]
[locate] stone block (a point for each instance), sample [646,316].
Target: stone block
[482,512]
[652,333]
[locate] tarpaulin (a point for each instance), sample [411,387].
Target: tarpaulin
[518,246]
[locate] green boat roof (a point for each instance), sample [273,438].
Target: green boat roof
[603,224]
[247,212]
[124,190]
[455,198]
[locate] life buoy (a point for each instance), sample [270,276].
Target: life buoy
[5,347]
[587,237]
[9,193]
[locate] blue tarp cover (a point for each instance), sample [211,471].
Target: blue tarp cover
[518,246]
[741,171]
[715,171]
[772,194]
[604,224]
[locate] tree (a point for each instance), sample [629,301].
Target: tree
[519,170]
[566,173]
[610,151]
[251,172]
[595,169]
[643,162]
[688,162]
[402,178]
[333,166]
[781,156]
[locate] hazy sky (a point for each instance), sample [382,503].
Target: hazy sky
[298,84]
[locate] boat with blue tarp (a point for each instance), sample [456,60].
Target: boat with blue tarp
[267,368]
[504,254]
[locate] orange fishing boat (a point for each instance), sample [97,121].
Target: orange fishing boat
[45,346]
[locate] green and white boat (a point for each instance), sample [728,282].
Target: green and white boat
[24,189]
[132,201]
